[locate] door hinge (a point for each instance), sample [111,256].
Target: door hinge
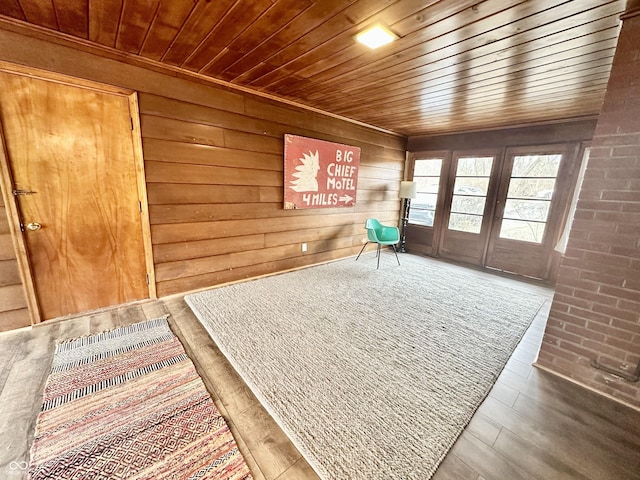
[140,206]
[22,192]
[131,118]
[148,281]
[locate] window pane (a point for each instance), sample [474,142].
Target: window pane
[427,167]
[531,188]
[465,223]
[474,166]
[527,210]
[426,174]
[536,165]
[421,216]
[427,184]
[425,200]
[522,230]
[461,204]
[471,186]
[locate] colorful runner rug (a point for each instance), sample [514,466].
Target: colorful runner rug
[129,404]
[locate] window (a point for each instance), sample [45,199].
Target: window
[426,174]
[470,193]
[531,187]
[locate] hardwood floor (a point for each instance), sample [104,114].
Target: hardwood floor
[532,425]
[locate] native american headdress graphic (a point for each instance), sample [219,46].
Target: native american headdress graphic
[306,173]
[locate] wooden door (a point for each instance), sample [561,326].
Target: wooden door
[469,205]
[70,153]
[534,187]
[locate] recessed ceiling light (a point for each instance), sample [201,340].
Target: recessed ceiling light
[376,36]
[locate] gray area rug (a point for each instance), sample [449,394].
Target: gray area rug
[373,374]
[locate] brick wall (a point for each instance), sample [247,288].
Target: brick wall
[595,315]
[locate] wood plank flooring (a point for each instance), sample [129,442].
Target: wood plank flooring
[532,425]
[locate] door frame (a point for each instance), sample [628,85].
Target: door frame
[564,186]
[483,236]
[10,200]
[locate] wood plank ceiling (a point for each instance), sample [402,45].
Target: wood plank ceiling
[459,65]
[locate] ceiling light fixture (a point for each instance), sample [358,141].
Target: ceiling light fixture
[376,36]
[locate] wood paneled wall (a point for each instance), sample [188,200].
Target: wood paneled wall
[214,170]
[215,181]
[13,305]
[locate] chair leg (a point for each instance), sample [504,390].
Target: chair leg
[361,250]
[378,257]
[394,251]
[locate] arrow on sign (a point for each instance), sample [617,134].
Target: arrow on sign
[345,199]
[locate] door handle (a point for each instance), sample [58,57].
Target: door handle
[34,226]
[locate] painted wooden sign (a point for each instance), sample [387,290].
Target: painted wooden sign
[319,174]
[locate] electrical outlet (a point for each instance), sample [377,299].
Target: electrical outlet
[304,247]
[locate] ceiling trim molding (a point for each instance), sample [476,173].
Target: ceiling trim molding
[63,39]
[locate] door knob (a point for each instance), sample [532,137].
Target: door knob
[34,226]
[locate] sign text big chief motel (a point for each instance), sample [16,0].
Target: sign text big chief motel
[319,174]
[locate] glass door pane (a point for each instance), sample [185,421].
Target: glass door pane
[470,194]
[529,196]
[533,188]
[426,174]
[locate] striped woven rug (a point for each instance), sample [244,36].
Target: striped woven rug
[129,404]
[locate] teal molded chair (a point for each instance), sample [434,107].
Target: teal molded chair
[382,235]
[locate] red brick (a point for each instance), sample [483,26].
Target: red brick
[624,293]
[569,300]
[586,245]
[628,229]
[615,312]
[597,153]
[590,226]
[568,318]
[563,334]
[572,253]
[589,315]
[611,206]
[632,283]
[557,353]
[564,290]
[581,351]
[632,151]
[567,272]
[554,322]
[593,298]
[621,217]
[615,280]
[621,344]
[619,239]
[608,330]
[615,140]
[619,196]
[622,173]
[582,285]
[602,184]
[631,327]
[628,305]
[558,306]
[598,347]
[630,207]
[585,332]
